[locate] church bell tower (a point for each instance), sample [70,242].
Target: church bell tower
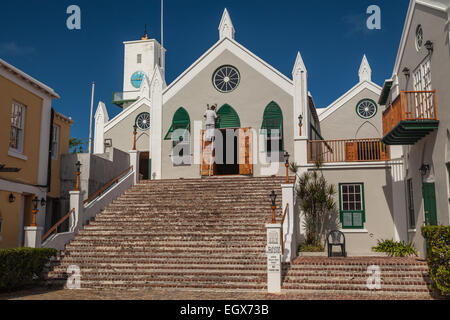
[140,59]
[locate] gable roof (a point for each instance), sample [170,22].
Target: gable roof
[439,5]
[35,83]
[325,112]
[125,113]
[241,52]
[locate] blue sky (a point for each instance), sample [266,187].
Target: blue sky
[331,36]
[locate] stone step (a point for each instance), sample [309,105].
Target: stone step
[348,288]
[174,234]
[116,277]
[169,248]
[186,227]
[163,256]
[124,285]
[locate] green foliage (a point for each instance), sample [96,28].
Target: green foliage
[316,198]
[76,145]
[22,266]
[396,249]
[438,256]
[311,248]
[293,167]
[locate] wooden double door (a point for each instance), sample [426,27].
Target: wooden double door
[235,145]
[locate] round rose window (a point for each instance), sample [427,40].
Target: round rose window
[226,79]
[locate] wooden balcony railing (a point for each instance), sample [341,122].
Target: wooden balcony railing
[410,106]
[54,229]
[353,150]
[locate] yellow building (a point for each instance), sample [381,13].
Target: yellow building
[32,139]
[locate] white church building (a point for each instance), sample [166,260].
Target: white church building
[262,114]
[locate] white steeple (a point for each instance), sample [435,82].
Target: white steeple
[365,72]
[299,65]
[301,101]
[226,29]
[101,117]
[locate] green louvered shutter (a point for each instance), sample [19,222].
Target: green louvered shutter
[180,120]
[273,120]
[228,118]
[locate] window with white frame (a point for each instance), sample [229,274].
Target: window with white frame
[422,76]
[422,82]
[351,205]
[17,127]
[55,142]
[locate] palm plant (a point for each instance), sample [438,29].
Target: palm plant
[316,199]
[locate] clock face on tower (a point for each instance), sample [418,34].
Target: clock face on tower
[136,79]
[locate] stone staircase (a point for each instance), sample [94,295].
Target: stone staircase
[204,233]
[344,275]
[210,234]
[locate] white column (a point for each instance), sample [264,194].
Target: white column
[76,203]
[273,251]
[289,236]
[301,107]
[399,201]
[155,141]
[134,161]
[33,236]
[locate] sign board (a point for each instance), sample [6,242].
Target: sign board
[273,237]
[273,249]
[273,263]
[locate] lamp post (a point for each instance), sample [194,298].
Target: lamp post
[406,72]
[286,164]
[273,197]
[78,166]
[429,46]
[300,123]
[424,169]
[134,134]
[35,202]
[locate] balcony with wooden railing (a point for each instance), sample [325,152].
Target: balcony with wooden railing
[410,117]
[350,150]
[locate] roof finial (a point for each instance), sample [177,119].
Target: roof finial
[226,29]
[365,72]
[145,37]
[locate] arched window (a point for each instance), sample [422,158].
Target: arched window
[272,128]
[179,134]
[180,120]
[228,118]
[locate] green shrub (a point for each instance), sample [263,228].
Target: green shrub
[22,266]
[438,256]
[395,249]
[310,248]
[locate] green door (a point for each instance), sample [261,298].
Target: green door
[429,203]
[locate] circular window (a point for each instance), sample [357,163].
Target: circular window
[226,78]
[366,108]
[143,121]
[419,37]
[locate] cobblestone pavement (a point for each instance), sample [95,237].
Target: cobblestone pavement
[183,294]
